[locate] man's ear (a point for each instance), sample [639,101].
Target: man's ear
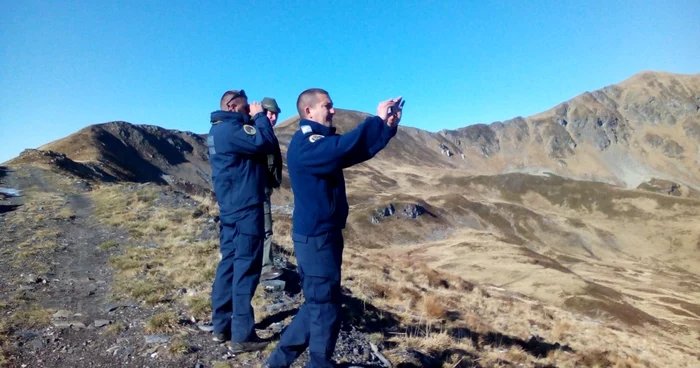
[307,110]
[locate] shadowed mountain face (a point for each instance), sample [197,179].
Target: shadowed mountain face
[119,151]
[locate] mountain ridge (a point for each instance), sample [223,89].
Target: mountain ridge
[644,128]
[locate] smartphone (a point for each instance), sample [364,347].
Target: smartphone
[394,109]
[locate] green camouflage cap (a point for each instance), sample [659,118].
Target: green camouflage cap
[270,104]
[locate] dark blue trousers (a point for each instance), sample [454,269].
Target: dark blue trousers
[317,323]
[237,277]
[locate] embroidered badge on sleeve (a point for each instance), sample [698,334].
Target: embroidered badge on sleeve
[249,129]
[315,137]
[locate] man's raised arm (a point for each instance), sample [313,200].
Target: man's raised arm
[323,155]
[249,139]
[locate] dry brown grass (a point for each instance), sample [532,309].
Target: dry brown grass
[500,324]
[436,311]
[434,307]
[199,305]
[4,340]
[179,347]
[172,258]
[222,365]
[107,245]
[162,322]
[116,328]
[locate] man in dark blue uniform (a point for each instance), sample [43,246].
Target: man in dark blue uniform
[238,149]
[316,158]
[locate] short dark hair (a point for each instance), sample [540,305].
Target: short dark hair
[308,98]
[227,96]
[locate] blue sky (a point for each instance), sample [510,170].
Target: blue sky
[68,64]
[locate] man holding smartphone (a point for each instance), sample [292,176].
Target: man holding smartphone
[316,158]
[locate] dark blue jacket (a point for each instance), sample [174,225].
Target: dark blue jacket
[238,150]
[316,158]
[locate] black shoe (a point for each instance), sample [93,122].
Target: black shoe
[247,346]
[221,337]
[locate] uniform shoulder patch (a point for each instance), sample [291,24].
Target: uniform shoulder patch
[249,129]
[313,138]
[305,129]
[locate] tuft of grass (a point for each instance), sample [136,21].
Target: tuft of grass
[109,244]
[179,347]
[222,365]
[149,291]
[65,213]
[162,322]
[561,329]
[147,196]
[434,307]
[596,358]
[200,306]
[116,328]
[34,247]
[30,317]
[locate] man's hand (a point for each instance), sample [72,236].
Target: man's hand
[382,109]
[255,107]
[394,119]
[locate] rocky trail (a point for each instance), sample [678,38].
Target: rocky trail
[58,308]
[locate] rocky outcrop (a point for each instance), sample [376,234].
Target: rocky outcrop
[60,162]
[668,147]
[672,149]
[692,130]
[654,140]
[513,131]
[661,186]
[479,136]
[593,118]
[408,211]
[445,150]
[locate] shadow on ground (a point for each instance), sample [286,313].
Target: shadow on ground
[368,319]
[5,208]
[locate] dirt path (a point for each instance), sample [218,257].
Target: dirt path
[58,299]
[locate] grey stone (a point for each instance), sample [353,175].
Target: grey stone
[277,306]
[102,322]
[273,285]
[26,334]
[37,344]
[112,350]
[276,327]
[157,339]
[113,307]
[77,325]
[62,314]
[62,324]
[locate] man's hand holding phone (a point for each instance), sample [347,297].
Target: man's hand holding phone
[395,111]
